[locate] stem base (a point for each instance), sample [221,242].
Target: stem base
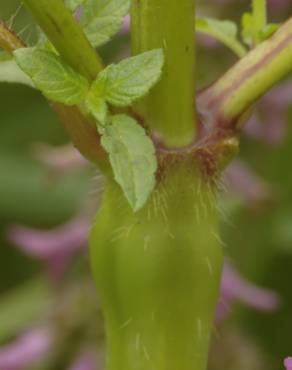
[158,273]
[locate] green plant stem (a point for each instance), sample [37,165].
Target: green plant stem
[158,273]
[80,128]
[9,41]
[83,134]
[233,94]
[169,108]
[66,36]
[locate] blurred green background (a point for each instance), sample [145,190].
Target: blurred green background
[259,239]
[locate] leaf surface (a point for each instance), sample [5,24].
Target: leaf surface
[123,83]
[101,19]
[56,80]
[132,156]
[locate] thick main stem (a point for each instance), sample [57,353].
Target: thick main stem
[169,108]
[158,272]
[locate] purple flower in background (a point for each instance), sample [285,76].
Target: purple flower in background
[56,246]
[269,124]
[278,4]
[85,362]
[60,159]
[235,288]
[26,350]
[241,179]
[288,363]
[126,25]
[78,13]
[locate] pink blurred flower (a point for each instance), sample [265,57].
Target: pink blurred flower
[241,179]
[60,159]
[26,350]
[288,363]
[235,288]
[56,246]
[278,4]
[126,25]
[269,124]
[78,13]
[85,362]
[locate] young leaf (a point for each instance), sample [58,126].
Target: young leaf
[247,32]
[101,19]
[259,14]
[121,84]
[268,31]
[132,156]
[51,75]
[254,23]
[10,72]
[73,4]
[97,107]
[222,30]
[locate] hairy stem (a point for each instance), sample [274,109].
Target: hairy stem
[158,272]
[169,108]
[227,99]
[66,36]
[9,41]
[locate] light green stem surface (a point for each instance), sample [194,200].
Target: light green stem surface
[65,34]
[157,273]
[168,24]
[250,78]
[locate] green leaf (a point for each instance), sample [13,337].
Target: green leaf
[247,32]
[223,30]
[51,75]
[268,31]
[254,23]
[259,15]
[132,156]
[73,4]
[98,107]
[10,72]
[101,19]
[121,84]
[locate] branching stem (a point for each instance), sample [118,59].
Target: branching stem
[66,36]
[80,128]
[227,99]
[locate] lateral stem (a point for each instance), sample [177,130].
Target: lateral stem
[80,128]
[65,34]
[227,99]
